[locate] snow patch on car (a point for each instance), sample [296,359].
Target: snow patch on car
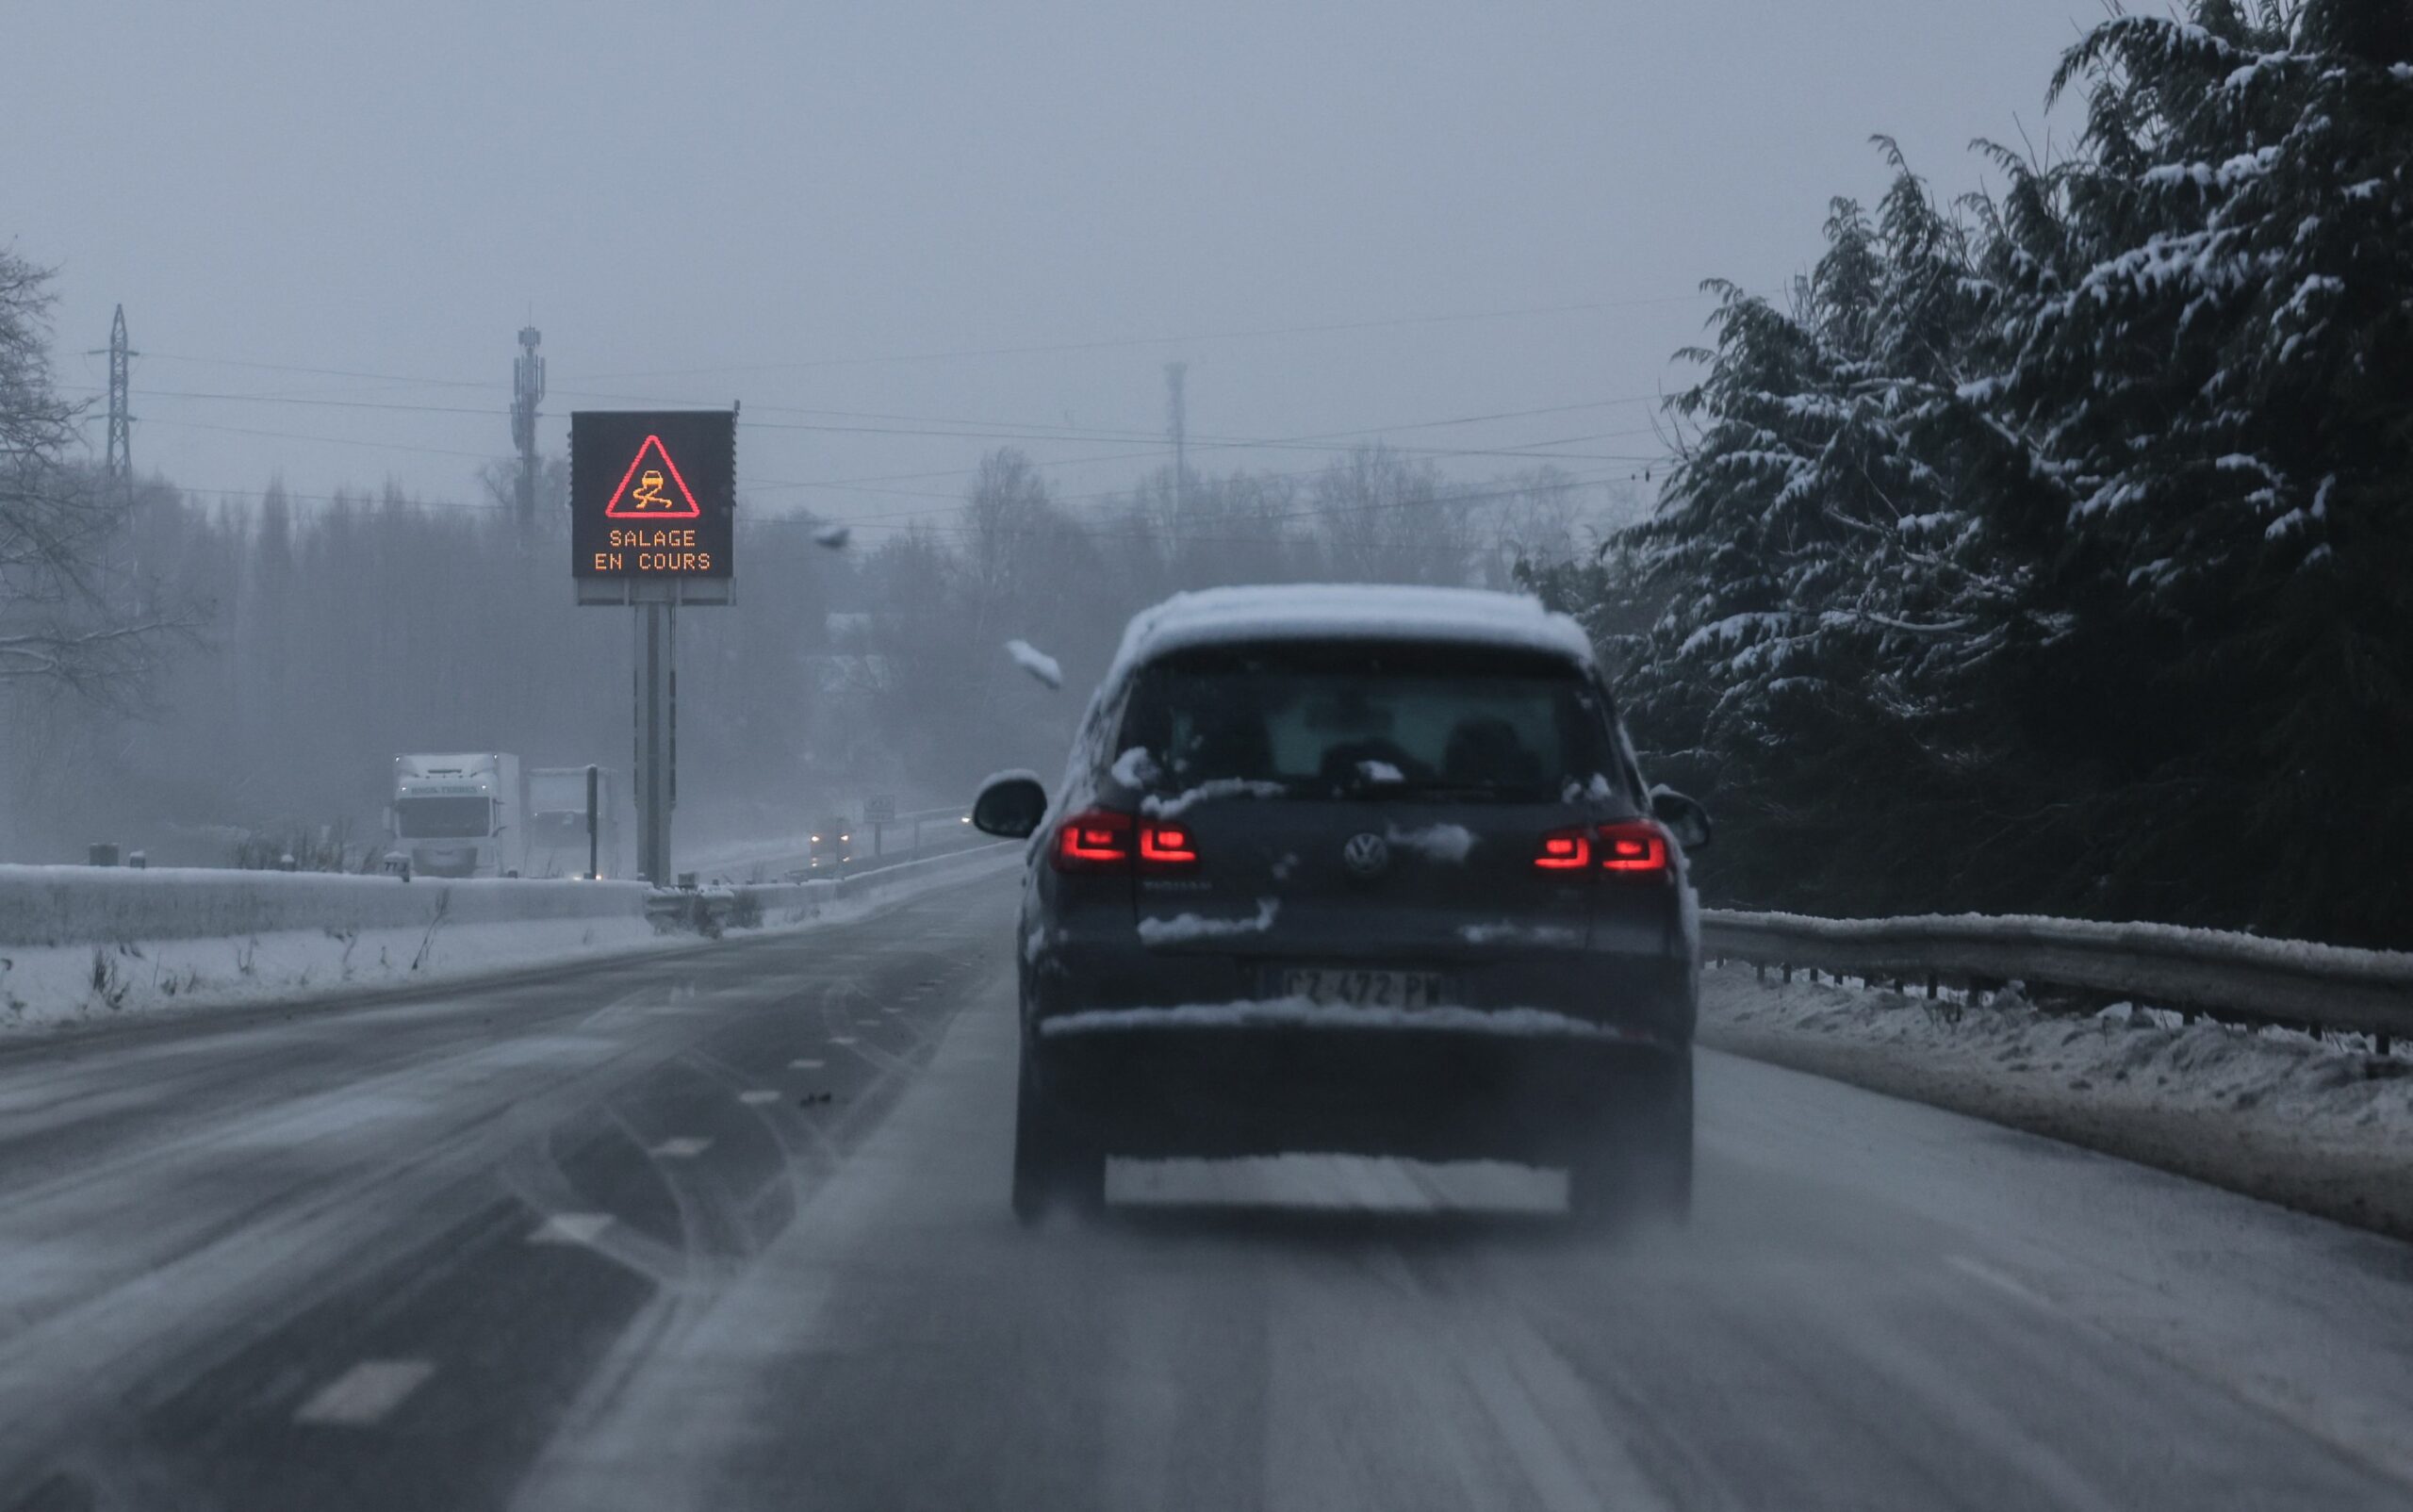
[1507,933]
[1036,662]
[1324,611]
[1184,926]
[1159,807]
[1301,1012]
[1597,789]
[1447,843]
[1135,768]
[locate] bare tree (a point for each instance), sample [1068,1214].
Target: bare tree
[67,615]
[1386,519]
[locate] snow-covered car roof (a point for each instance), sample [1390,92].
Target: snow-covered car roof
[1218,616]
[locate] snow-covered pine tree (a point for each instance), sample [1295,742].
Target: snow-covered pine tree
[2208,353]
[1823,622]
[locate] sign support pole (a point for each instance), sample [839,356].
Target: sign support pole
[655,652]
[652,496]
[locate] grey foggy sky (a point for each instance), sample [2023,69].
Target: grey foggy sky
[766,202]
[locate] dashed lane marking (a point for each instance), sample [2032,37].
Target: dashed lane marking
[759,1097]
[365,1393]
[684,1147]
[804,1066]
[2010,1286]
[841,1038]
[570,1228]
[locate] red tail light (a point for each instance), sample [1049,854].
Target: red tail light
[1565,850]
[1097,840]
[1633,847]
[1167,845]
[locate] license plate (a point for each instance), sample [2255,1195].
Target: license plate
[1355,987]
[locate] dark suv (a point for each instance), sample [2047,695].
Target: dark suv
[1356,870]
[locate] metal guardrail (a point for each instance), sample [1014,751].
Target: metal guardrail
[909,836]
[709,910]
[2238,976]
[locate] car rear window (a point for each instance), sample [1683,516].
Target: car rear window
[1370,718]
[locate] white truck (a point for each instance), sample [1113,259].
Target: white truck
[461,816]
[557,838]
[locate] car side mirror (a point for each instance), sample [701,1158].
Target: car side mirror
[1684,818]
[1010,804]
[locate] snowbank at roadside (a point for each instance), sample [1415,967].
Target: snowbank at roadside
[49,985]
[153,952]
[2316,1123]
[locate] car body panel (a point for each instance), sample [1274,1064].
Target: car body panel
[1611,961]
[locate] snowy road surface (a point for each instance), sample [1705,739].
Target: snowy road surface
[728,1229]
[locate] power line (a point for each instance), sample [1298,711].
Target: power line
[1241,444]
[1124,342]
[1315,441]
[1039,349]
[994,430]
[327,440]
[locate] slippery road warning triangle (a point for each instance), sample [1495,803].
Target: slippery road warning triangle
[645,494]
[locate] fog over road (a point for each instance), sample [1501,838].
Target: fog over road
[727,1228]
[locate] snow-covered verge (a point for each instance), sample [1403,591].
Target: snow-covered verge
[2317,1124]
[104,943]
[82,905]
[44,986]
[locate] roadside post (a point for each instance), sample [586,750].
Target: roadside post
[594,862]
[880,811]
[652,498]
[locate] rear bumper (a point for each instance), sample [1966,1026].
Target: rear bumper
[1633,995]
[1152,1089]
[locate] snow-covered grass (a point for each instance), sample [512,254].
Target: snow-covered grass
[2122,1052]
[145,949]
[2319,1123]
[52,985]
[72,905]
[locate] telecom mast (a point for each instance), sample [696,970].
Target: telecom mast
[119,466]
[527,388]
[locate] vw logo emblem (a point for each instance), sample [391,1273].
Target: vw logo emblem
[1367,855]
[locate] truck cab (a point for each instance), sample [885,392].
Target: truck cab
[461,814]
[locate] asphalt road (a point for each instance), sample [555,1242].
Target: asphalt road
[727,1228]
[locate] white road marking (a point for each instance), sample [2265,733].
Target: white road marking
[570,1228]
[685,1147]
[804,1066]
[841,1038]
[365,1393]
[868,1023]
[2010,1286]
[759,1097]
